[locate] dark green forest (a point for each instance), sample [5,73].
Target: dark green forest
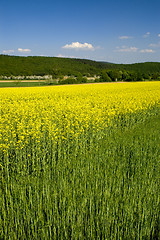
[59,67]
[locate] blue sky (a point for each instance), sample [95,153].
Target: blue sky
[117,31]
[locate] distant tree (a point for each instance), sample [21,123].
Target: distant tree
[125,75]
[155,76]
[97,79]
[104,77]
[132,77]
[115,75]
[145,76]
[139,77]
[84,80]
[69,80]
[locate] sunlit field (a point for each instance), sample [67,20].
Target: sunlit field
[80,162]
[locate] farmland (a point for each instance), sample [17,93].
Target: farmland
[80,162]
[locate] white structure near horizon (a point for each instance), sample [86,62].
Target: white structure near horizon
[33,77]
[36,77]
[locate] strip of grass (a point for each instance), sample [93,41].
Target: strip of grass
[25,84]
[103,186]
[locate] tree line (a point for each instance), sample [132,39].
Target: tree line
[77,69]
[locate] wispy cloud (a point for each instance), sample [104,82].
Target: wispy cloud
[79,46]
[146,35]
[155,45]
[8,51]
[126,49]
[24,50]
[159,35]
[64,56]
[147,51]
[133,49]
[124,37]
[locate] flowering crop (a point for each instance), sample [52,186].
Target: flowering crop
[29,113]
[80,162]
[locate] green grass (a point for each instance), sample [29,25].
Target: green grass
[29,84]
[25,84]
[103,186]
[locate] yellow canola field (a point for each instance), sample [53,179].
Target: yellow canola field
[30,114]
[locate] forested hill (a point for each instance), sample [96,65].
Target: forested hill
[147,67]
[15,65]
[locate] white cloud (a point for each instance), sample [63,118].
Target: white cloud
[146,35]
[64,56]
[159,35]
[147,51]
[79,46]
[125,37]
[126,49]
[24,50]
[155,45]
[8,51]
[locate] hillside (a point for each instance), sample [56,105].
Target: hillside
[147,67]
[15,65]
